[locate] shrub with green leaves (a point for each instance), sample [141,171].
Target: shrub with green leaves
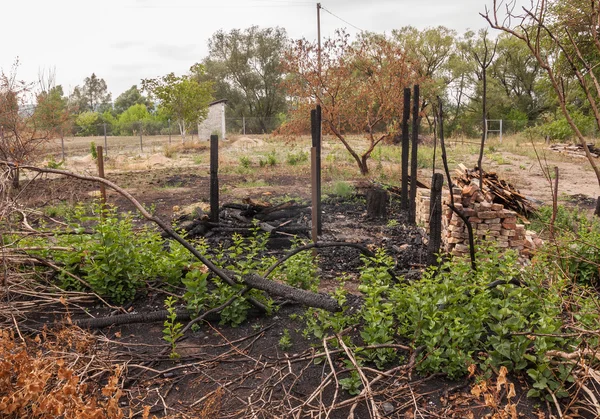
[112,256]
[300,270]
[299,157]
[245,255]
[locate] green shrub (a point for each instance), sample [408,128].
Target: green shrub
[112,256]
[245,162]
[294,159]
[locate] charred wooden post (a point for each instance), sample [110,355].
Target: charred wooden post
[405,149]
[435,219]
[317,145]
[377,203]
[214,178]
[413,157]
[315,122]
[100,162]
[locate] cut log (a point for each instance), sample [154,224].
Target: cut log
[377,202]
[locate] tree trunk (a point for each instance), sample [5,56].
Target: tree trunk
[15,176]
[377,202]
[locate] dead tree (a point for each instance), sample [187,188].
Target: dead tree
[484,59]
[555,36]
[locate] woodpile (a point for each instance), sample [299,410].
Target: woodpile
[575,150]
[493,190]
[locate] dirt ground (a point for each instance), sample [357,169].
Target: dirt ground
[243,372]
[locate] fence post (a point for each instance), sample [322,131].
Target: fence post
[169,130]
[501,131]
[141,144]
[405,150]
[105,142]
[315,170]
[319,191]
[413,157]
[214,178]
[435,219]
[100,162]
[244,125]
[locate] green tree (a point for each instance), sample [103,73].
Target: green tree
[132,119]
[130,97]
[434,50]
[245,67]
[87,123]
[93,96]
[52,110]
[184,98]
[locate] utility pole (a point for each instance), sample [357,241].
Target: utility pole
[319,38]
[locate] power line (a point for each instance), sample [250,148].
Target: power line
[343,20]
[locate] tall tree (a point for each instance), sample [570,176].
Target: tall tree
[130,97]
[358,88]
[52,110]
[245,68]
[184,98]
[434,50]
[93,96]
[564,38]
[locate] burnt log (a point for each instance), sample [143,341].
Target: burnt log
[308,298]
[377,203]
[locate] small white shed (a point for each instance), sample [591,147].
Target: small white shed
[214,122]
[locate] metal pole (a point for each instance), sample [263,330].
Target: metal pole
[169,130]
[501,131]
[319,37]
[244,125]
[214,178]
[141,145]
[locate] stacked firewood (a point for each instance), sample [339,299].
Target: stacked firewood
[493,190]
[575,150]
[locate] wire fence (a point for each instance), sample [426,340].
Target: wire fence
[146,135]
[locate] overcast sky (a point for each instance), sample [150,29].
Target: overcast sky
[123,41]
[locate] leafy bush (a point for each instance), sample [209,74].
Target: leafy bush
[561,130]
[112,256]
[245,162]
[460,320]
[300,270]
[294,159]
[243,256]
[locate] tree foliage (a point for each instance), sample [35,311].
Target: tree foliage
[93,96]
[359,89]
[183,98]
[245,68]
[52,111]
[130,97]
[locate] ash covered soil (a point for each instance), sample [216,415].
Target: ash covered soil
[242,372]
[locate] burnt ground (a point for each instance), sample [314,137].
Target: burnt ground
[243,371]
